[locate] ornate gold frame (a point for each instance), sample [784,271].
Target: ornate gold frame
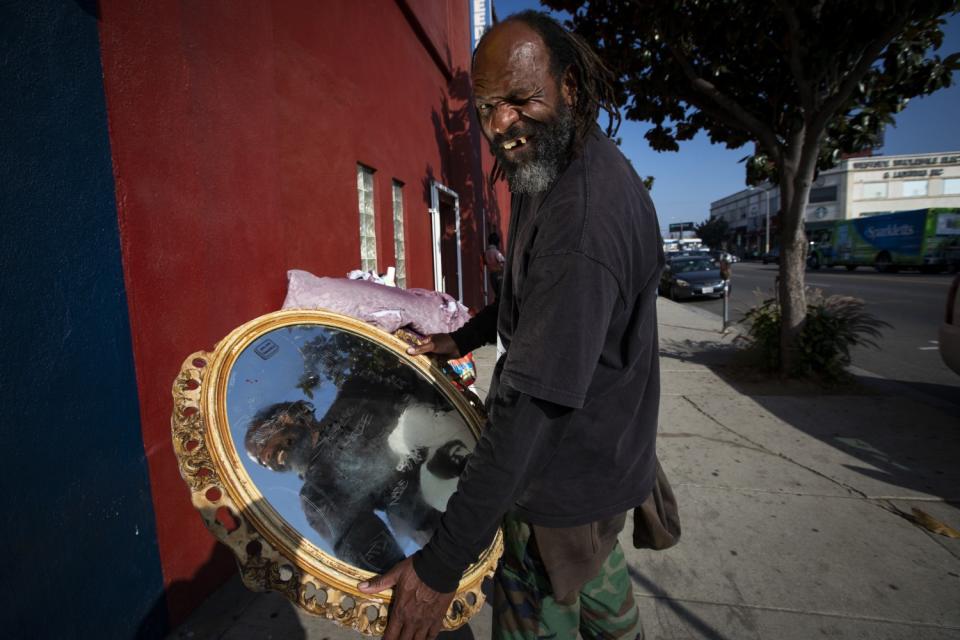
[270,553]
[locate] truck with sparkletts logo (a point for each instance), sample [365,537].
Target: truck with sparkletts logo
[925,239]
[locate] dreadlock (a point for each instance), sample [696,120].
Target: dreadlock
[568,51]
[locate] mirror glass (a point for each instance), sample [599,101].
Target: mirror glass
[352,446]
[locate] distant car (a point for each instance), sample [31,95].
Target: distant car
[688,253]
[724,255]
[689,276]
[771,256]
[949,342]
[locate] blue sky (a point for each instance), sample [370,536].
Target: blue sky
[688,180]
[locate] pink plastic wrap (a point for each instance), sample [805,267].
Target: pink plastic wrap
[389,308]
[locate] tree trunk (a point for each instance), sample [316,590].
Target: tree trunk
[795,180]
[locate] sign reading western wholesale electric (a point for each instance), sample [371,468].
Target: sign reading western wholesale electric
[903,163]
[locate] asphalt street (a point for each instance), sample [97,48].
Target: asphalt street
[913,303]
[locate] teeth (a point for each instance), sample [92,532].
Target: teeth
[514,143]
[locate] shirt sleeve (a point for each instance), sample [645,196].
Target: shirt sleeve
[566,304]
[519,439]
[481,329]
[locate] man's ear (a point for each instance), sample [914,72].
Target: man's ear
[568,87]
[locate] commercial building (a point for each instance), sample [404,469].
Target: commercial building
[857,187]
[163,165]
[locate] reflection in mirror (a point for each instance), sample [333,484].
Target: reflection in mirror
[351,445]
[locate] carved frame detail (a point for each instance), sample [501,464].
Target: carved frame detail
[270,554]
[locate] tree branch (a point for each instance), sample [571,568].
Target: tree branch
[796,66]
[849,82]
[741,116]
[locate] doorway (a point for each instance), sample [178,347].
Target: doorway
[445,223]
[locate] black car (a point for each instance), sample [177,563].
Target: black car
[689,276]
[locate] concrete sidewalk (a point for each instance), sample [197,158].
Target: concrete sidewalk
[797,507]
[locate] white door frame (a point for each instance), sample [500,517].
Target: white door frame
[435,190]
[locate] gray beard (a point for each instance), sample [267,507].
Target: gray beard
[553,152]
[533,177]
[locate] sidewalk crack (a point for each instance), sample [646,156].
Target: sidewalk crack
[885,505]
[778,454]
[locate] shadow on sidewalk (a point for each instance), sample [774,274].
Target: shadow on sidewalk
[897,437]
[692,620]
[230,604]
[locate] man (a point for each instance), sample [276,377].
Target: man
[352,467]
[494,261]
[570,445]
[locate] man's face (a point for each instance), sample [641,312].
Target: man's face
[524,111]
[291,446]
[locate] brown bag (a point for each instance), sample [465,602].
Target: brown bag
[656,522]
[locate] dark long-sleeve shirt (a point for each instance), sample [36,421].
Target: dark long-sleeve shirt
[573,403]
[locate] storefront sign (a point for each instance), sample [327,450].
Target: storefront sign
[897,163]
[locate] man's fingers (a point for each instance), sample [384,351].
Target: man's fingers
[419,349]
[435,629]
[424,346]
[394,626]
[379,583]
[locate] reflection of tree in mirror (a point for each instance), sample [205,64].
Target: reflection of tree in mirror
[338,356]
[371,487]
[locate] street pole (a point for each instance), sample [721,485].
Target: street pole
[726,305]
[725,275]
[766,208]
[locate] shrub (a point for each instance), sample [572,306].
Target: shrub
[833,326]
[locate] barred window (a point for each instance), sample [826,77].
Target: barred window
[398,240]
[368,224]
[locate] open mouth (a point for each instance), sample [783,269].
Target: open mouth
[516,142]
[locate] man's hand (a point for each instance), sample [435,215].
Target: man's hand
[439,344]
[417,610]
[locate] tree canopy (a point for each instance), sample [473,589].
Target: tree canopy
[766,72]
[803,80]
[713,232]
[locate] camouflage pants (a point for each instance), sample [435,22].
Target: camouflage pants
[524,607]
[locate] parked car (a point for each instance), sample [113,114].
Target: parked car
[689,276]
[950,329]
[771,256]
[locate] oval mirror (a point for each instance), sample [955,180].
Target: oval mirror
[322,454]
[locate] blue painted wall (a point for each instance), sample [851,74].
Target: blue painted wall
[79,555]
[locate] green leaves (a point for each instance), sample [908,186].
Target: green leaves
[760,71]
[713,232]
[833,325]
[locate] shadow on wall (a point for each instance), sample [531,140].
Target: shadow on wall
[896,439]
[460,144]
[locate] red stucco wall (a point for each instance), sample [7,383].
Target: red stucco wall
[236,128]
